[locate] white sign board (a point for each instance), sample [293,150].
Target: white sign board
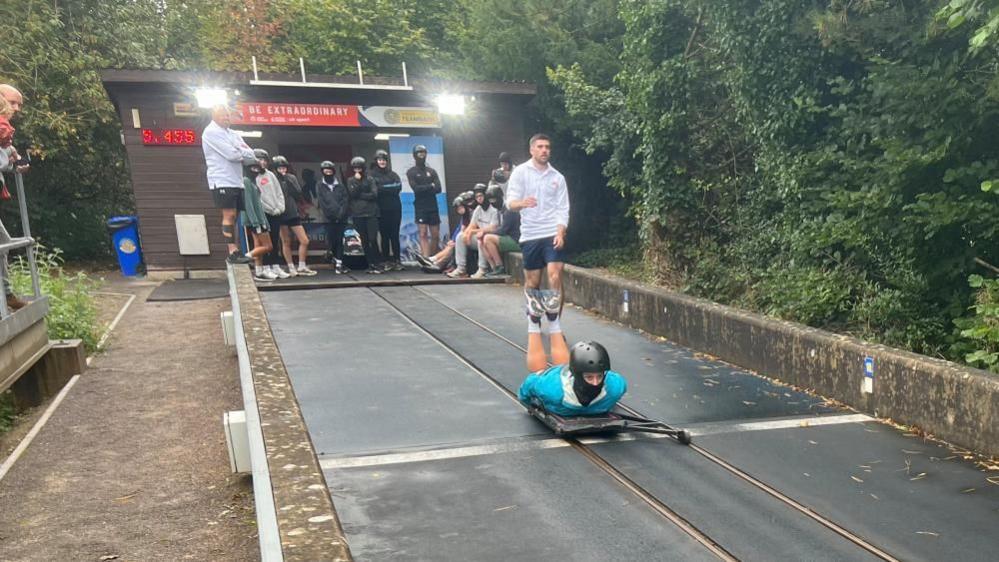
[192,235]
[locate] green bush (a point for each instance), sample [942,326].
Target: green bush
[979,333]
[72,311]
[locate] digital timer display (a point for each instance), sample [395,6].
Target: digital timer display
[170,137]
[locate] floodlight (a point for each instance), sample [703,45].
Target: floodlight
[451,104]
[210,97]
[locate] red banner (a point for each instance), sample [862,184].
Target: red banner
[296,114]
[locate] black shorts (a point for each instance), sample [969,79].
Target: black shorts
[292,221]
[260,229]
[228,198]
[541,252]
[431,218]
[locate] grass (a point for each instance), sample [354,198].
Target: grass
[7,413]
[625,261]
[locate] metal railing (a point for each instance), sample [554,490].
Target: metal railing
[26,242]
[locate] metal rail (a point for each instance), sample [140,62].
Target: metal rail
[26,242]
[756,482]
[263,495]
[651,500]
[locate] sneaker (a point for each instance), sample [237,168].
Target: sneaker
[425,261]
[265,275]
[457,273]
[480,274]
[237,258]
[373,270]
[340,269]
[292,272]
[278,272]
[397,266]
[534,306]
[498,272]
[304,270]
[387,267]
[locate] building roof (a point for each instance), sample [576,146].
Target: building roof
[207,78]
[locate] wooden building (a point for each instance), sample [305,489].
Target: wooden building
[162,124]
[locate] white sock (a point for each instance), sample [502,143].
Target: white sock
[301,265]
[532,327]
[259,270]
[554,326]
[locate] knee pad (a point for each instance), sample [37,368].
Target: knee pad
[228,231]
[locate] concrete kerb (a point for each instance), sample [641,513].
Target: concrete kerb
[307,522]
[952,402]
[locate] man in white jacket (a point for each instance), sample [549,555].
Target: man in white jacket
[225,155]
[539,193]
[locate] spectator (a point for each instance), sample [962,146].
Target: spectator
[485,220]
[504,239]
[480,216]
[272,199]
[10,161]
[539,193]
[389,209]
[225,155]
[501,175]
[293,199]
[334,203]
[426,184]
[363,193]
[442,259]
[255,183]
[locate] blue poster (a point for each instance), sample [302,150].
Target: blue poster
[401,153]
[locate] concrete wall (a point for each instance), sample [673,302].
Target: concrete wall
[950,401]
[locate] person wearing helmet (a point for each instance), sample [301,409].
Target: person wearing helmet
[255,185]
[273,201]
[501,175]
[389,208]
[439,262]
[225,155]
[364,211]
[292,227]
[485,219]
[426,184]
[334,202]
[504,238]
[581,382]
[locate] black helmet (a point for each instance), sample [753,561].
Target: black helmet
[326,164]
[588,357]
[505,157]
[261,154]
[494,194]
[279,161]
[381,154]
[459,201]
[419,148]
[357,162]
[499,176]
[479,188]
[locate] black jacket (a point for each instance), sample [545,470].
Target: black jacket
[333,202]
[425,185]
[509,224]
[389,186]
[292,194]
[363,196]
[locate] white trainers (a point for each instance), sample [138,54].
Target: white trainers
[457,273]
[292,272]
[304,270]
[278,272]
[480,274]
[265,275]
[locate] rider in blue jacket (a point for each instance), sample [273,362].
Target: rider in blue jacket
[581,382]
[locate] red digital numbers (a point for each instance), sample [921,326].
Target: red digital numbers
[169,137]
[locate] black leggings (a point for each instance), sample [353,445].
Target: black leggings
[334,238]
[388,227]
[367,227]
[274,257]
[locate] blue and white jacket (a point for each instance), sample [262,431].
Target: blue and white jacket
[553,389]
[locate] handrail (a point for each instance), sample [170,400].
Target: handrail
[26,242]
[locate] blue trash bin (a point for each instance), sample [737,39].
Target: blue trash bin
[125,234]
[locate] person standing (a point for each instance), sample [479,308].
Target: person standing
[426,184]
[9,162]
[293,199]
[389,209]
[255,219]
[364,211]
[334,202]
[501,175]
[225,155]
[539,193]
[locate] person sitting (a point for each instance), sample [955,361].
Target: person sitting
[579,384]
[439,262]
[504,238]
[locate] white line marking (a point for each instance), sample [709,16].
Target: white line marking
[789,423]
[111,326]
[23,445]
[537,445]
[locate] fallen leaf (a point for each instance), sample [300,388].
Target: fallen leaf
[875,497]
[966,490]
[748,403]
[813,442]
[856,479]
[109,557]
[908,452]
[505,508]
[918,476]
[807,474]
[930,533]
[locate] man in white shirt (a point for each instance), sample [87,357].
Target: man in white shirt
[225,155]
[539,193]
